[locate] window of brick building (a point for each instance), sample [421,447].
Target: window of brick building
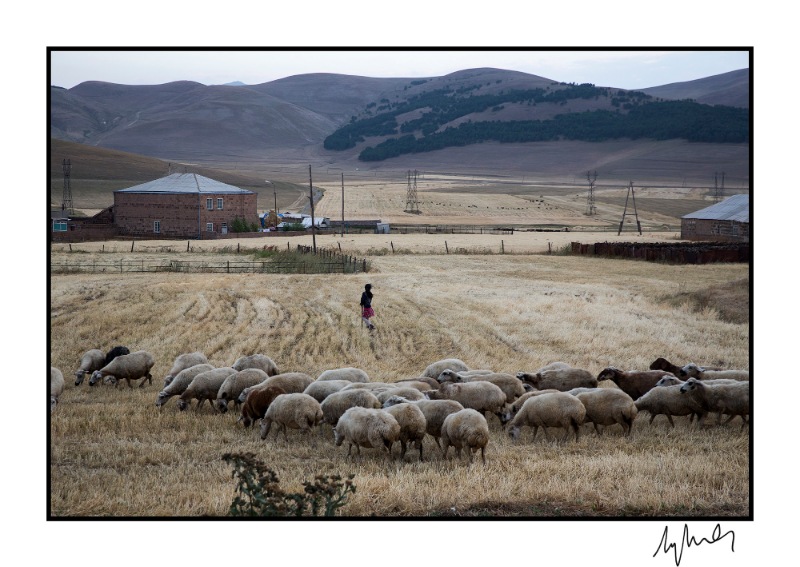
[219,203]
[157,226]
[209,227]
[210,204]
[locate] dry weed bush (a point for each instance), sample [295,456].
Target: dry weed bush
[113,453]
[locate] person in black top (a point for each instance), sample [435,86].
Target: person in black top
[366,306]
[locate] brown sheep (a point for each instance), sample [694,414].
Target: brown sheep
[256,404]
[635,383]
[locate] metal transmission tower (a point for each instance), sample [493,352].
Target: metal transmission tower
[590,208]
[625,211]
[412,204]
[719,190]
[66,201]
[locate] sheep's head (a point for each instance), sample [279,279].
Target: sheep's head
[168,379]
[338,438]
[221,404]
[609,373]
[691,384]
[513,432]
[691,370]
[394,400]
[162,399]
[448,376]
[660,364]
[264,428]
[183,404]
[53,403]
[97,375]
[79,377]
[507,413]
[669,381]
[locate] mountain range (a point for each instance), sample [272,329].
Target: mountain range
[292,121]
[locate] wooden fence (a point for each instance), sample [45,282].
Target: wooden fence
[673,253]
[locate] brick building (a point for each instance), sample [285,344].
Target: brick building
[726,221]
[182,205]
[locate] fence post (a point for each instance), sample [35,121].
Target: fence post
[187,245]
[132,243]
[238,244]
[392,243]
[365,265]
[229,266]
[446,248]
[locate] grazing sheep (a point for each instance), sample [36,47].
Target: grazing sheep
[417,384]
[56,387]
[419,381]
[510,410]
[257,403]
[182,362]
[558,365]
[411,394]
[291,382]
[347,373]
[412,425]
[114,353]
[481,396]
[556,409]
[128,366]
[321,390]
[90,361]
[732,399]
[180,382]
[365,427]
[607,406]
[295,411]
[561,379]
[434,411]
[466,429]
[635,383]
[510,385]
[235,383]
[204,387]
[691,370]
[433,370]
[667,400]
[260,361]
[334,406]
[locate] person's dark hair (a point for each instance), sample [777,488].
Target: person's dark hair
[368,291]
[368,286]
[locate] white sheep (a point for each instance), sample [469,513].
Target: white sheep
[370,386]
[289,382]
[691,370]
[128,366]
[294,411]
[182,362]
[511,386]
[56,387]
[481,396]
[411,394]
[435,411]
[366,427]
[180,382]
[731,399]
[434,369]
[204,387]
[346,373]
[668,401]
[607,406]
[412,425]
[556,409]
[510,410]
[260,361]
[562,379]
[321,390]
[335,405]
[421,384]
[234,384]
[465,429]
[91,360]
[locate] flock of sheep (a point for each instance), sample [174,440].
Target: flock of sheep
[448,401]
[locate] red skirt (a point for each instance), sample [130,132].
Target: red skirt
[367,312]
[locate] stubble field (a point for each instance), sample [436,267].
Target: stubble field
[113,453]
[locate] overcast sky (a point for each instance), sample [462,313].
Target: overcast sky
[619,68]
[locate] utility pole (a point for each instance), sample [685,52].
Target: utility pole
[343,203]
[625,211]
[66,200]
[590,208]
[311,198]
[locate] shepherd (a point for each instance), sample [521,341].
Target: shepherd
[366,306]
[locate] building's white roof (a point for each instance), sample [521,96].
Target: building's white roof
[735,208]
[184,183]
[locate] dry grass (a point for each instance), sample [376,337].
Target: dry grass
[114,454]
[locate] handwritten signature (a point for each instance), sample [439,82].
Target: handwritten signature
[688,541]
